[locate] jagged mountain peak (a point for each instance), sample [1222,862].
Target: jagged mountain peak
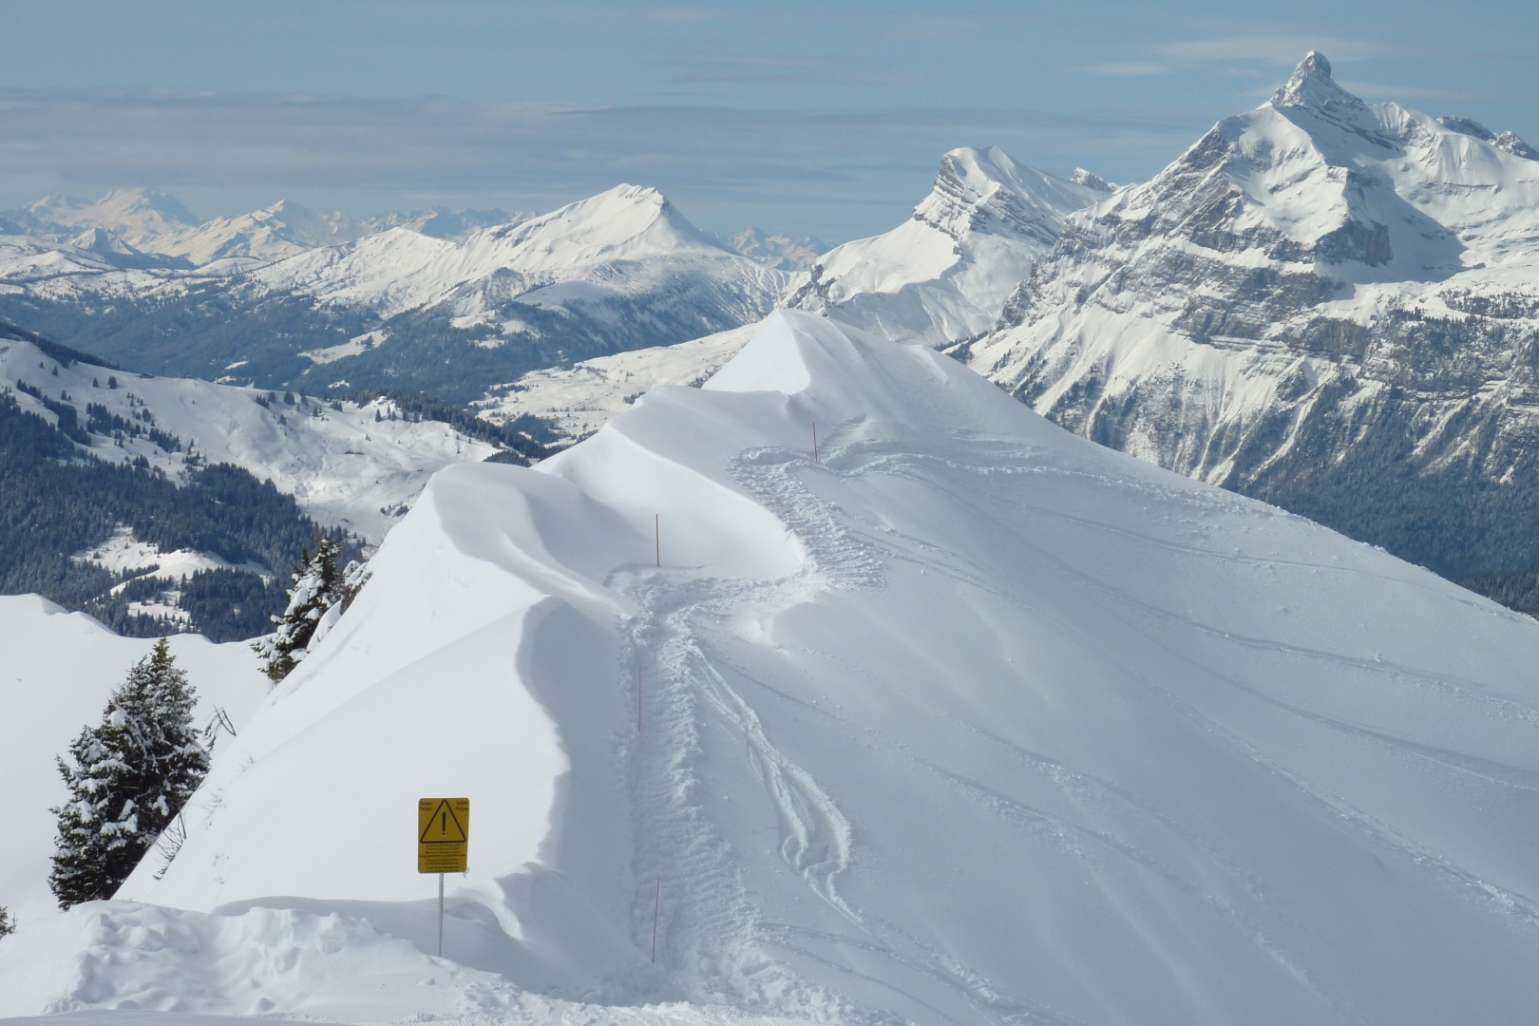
[1312,86]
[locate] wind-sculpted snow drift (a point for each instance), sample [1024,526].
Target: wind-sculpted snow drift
[967,721]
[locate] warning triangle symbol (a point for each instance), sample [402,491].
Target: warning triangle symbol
[444,827]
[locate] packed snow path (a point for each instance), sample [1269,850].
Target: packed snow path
[967,721]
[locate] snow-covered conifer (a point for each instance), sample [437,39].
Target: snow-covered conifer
[127,777]
[317,598]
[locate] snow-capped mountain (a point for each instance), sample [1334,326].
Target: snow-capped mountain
[403,310]
[1323,303]
[142,218]
[786,252]
[962,720]
[945,273]
[101,244]
[272,233]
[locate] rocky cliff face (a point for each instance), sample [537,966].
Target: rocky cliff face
[1325,304]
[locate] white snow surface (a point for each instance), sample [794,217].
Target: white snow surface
[967,721]
[56,671]
[342,466]
[945,273]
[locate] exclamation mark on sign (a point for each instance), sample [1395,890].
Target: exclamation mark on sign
[443,822]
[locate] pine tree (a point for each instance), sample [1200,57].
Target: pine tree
[7,925]
[127,777]
[317,588]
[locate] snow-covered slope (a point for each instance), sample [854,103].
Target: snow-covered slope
[945,273]
[55,675]
[968,721]
[345,463]
[1324,303]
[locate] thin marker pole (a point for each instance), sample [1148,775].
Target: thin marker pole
[657,537]
[638,700]
[657,908]
[440,915]
[815,441]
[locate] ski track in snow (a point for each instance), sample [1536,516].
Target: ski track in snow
[711,935]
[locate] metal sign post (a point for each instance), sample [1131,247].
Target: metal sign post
[443,844]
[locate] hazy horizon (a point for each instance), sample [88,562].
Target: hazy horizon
[803,119]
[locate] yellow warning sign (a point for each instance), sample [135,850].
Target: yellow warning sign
[443,835]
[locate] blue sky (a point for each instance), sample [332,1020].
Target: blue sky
[820,118]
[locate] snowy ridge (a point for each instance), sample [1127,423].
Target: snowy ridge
[965,721]
[945,273]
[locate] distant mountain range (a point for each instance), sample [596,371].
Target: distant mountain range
[784,252]
[284,298]
[147,223]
